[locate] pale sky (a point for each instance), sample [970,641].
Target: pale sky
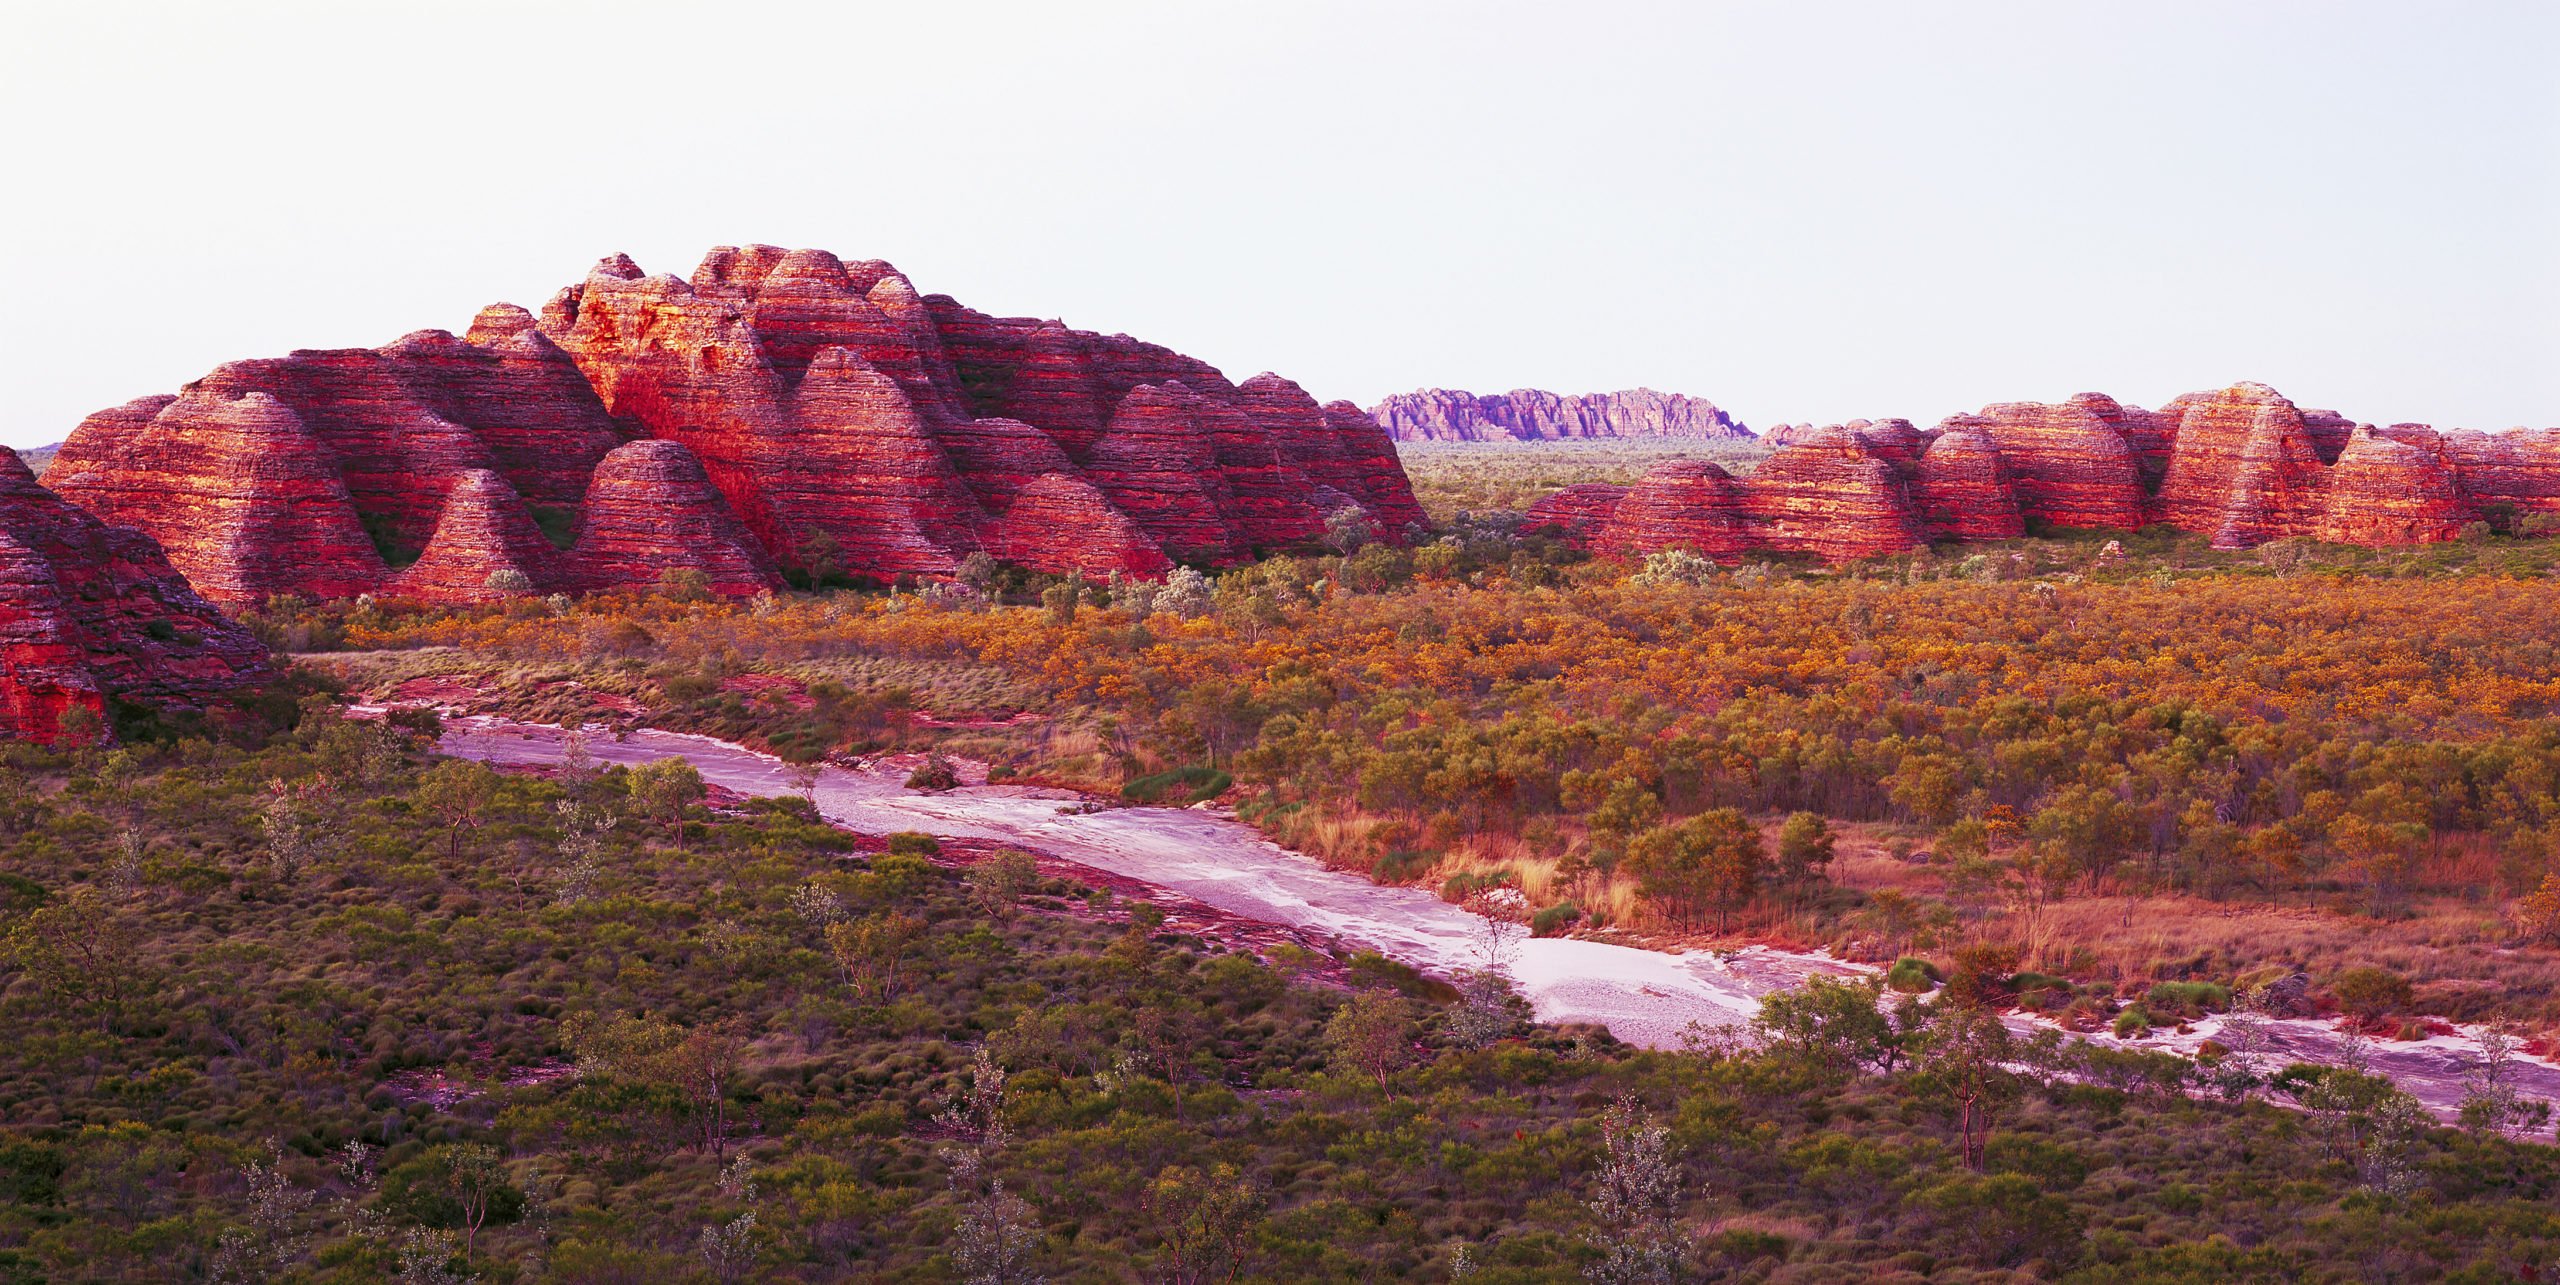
[1802,211]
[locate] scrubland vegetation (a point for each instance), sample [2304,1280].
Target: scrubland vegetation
[317,1007]
[2135,760]
[323,1009]
[1484,477]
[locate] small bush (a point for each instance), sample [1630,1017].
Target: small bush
[2187,999]
[2133,1023]
[1912,976]
[1458,887]
[2369,992]
[909,843]
[1554,920]
[1192,784]
[1400,866]
[936,774]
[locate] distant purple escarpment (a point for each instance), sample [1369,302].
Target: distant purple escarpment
[1531,415]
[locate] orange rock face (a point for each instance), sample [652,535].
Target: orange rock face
[2244,467]
[2071,461]
[1682,504]
[92,617]
[2518,470]
[485,547]
[1831,494]
[1579,511]
[1966,491]
[2388,490]
[650,510]
[836,414]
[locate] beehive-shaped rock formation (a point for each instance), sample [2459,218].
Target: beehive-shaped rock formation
[1684,504]
[1579,511]
[485,547]
[1966,492]
[1833,495]
[92,616]
[840,416]
[650,510]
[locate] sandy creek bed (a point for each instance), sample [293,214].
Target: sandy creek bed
[1643,996]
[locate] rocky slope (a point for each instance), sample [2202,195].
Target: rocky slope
[1529,414]
[806,413]
[2242,465]
[92,616]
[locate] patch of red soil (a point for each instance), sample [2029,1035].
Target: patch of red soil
[976,722]
[776,687]
[444,691]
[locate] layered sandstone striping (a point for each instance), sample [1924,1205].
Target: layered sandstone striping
[2072,462]
[1831,494]
[1683,504]
[1529,414]
[1369,471]
[485,547]
[244,496]
[1578,511]
[1966,491]
[2241,465]
[650,510]
[1061,522]
[2518,470]
[844,421]
[2388,490]
[92,617]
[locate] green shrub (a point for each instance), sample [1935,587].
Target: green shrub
[2133,1023]
[1400,866]
[1193,784]
[2187,999]
[936,774]
[1554,920]
[2370,992]
[909,843]
[1458,887]
[1912,976]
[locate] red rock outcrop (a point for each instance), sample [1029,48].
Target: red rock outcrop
[244,496]
[1681,504]
[1578,511]
[649,510]
[2243,468]
[297,474]
[2518,470]
[2242,465]
[2388,490]
[837,412]
[1830,494]
[1370,471]
[1333,446]
[484,539]
[92,616]
[1037,372]
[1895,440]
[1529,414]
[1156,464]
[2072,462]
[1966,492]
[1061,523]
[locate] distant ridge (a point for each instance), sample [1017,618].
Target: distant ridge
[1530,415]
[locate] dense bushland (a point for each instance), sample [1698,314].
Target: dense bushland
[328,1010]
[2101,751]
